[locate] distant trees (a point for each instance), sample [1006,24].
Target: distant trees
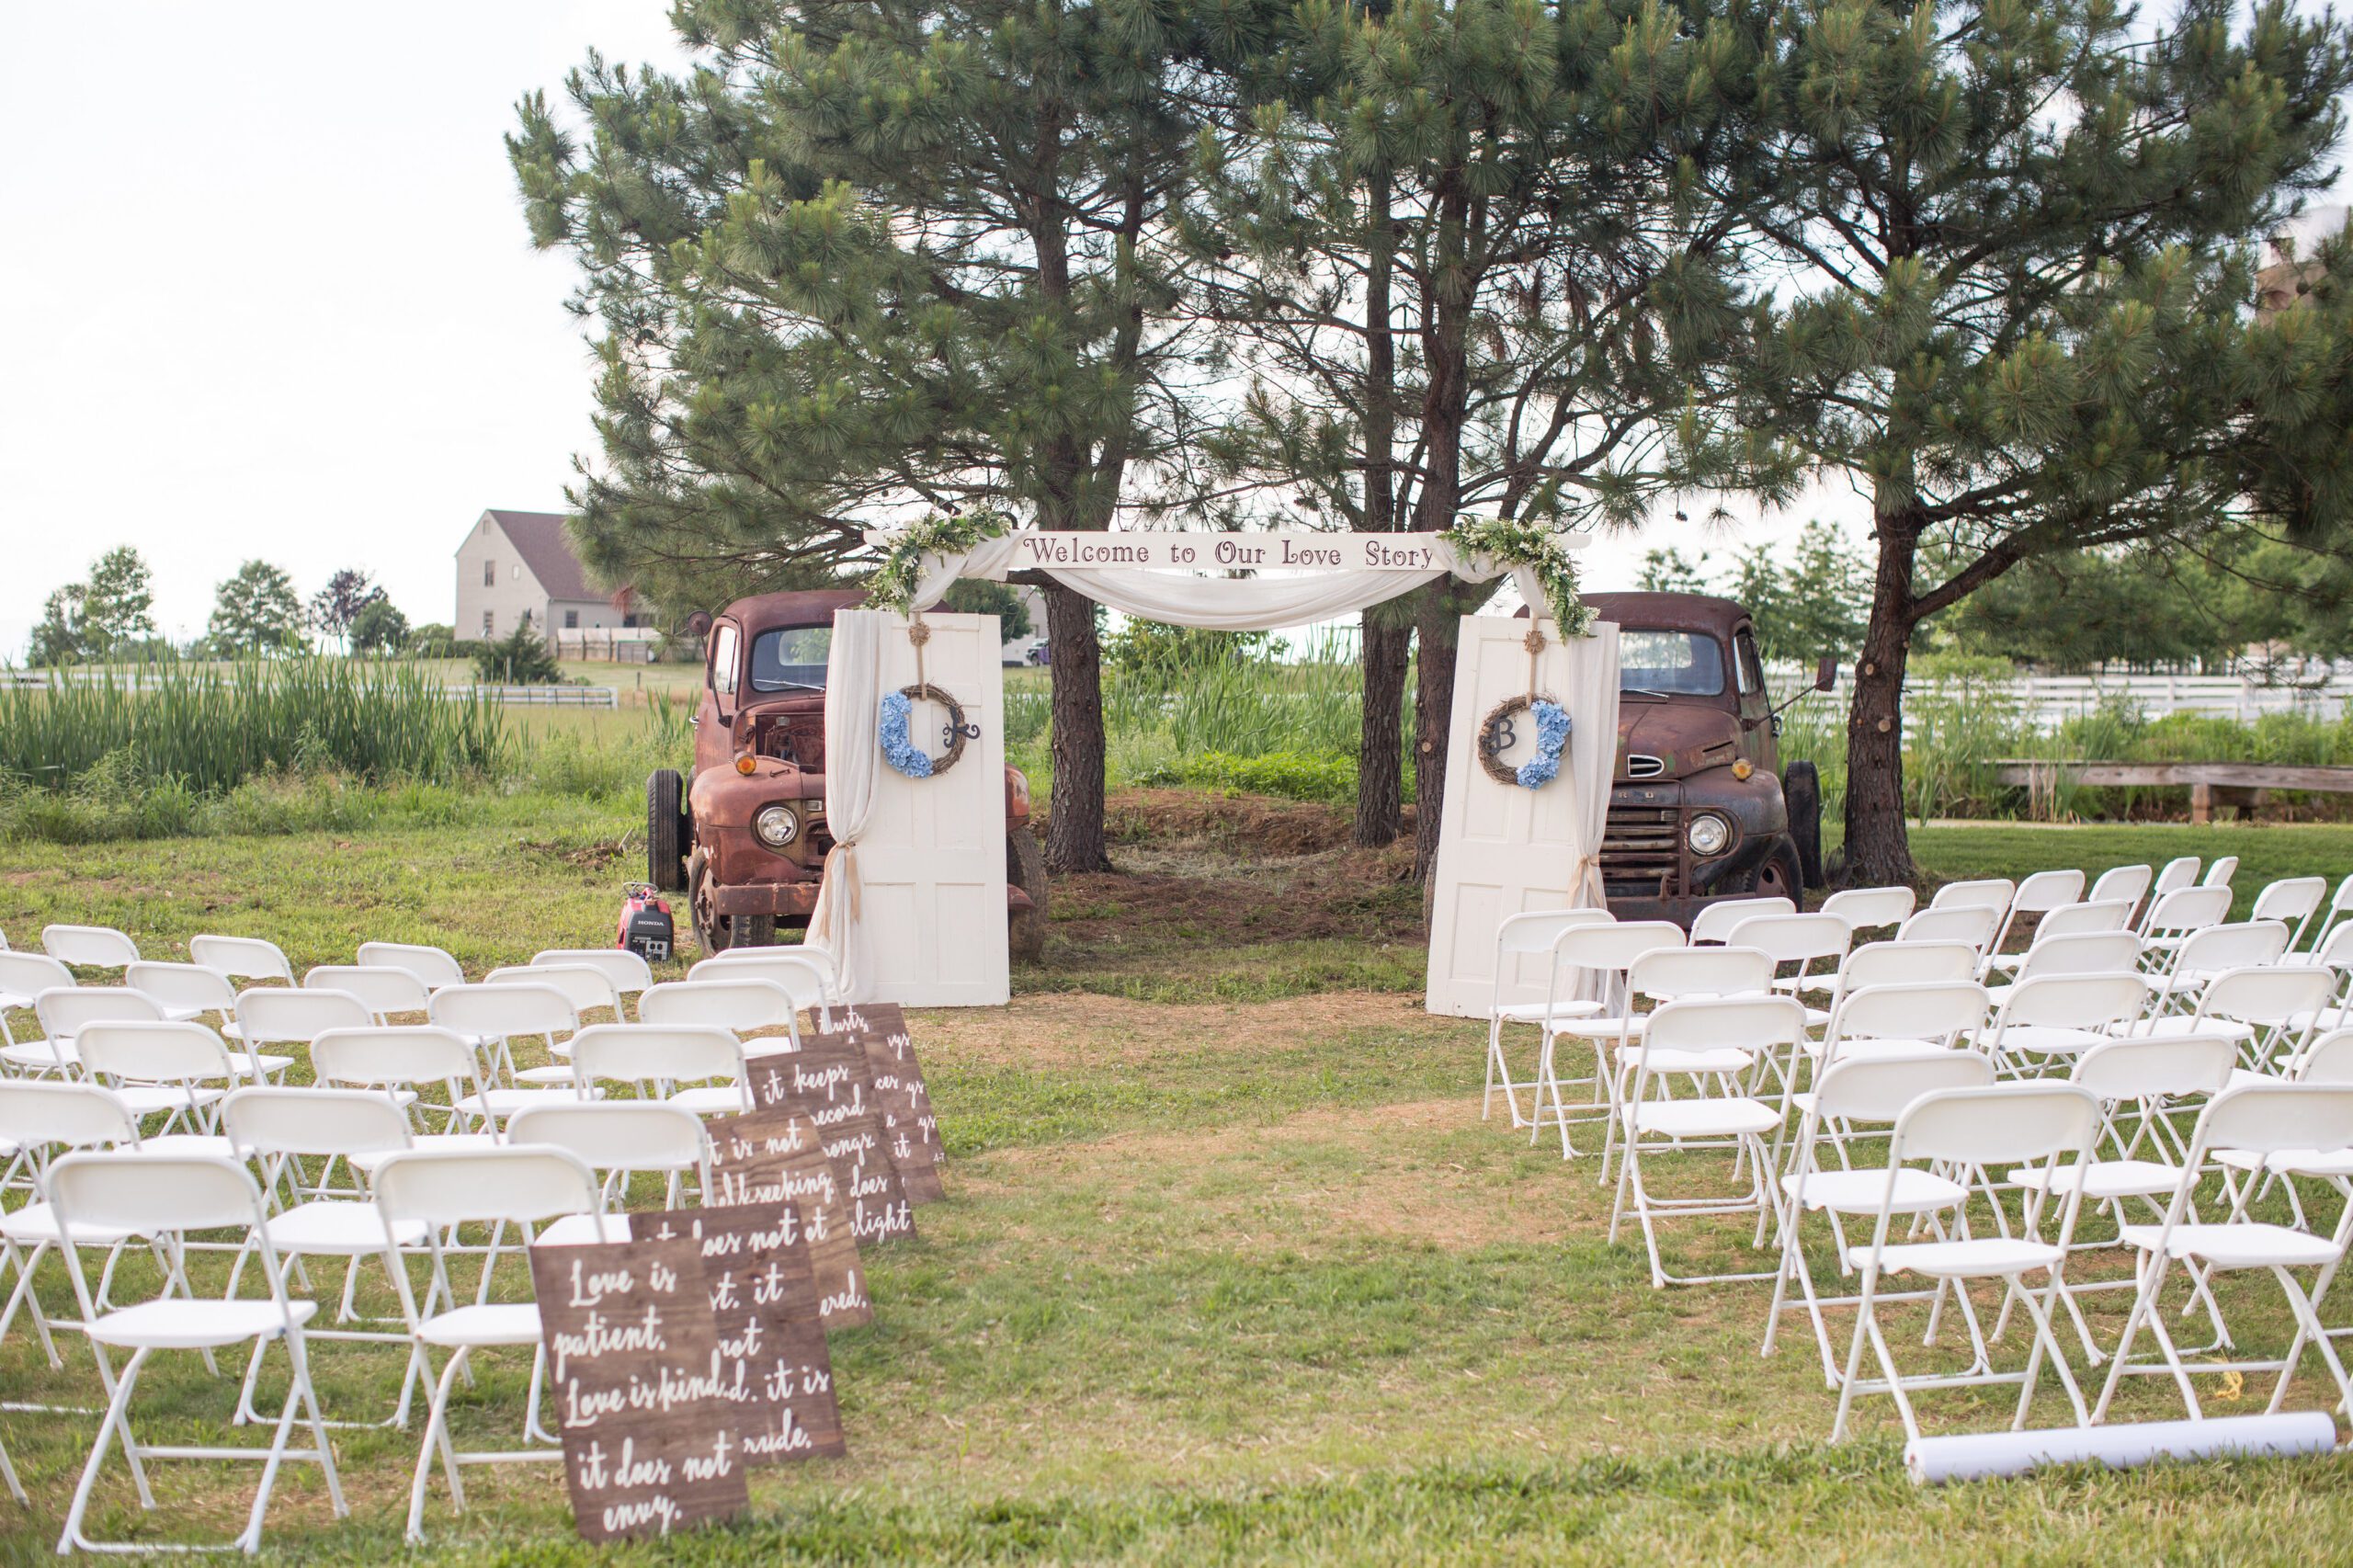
[335,608]
[378,627]
[102,617]
[255,611]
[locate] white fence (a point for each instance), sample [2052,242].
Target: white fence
[544,696]
[2049,701]
[607,645]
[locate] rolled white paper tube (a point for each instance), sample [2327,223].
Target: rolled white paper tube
[1971,1456]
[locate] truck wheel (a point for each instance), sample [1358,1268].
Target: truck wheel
[1779,876]
[1801,792]
[665,839]
[1025,867]
[720,933]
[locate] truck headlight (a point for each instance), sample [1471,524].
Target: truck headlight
[777,825]
[1707,834]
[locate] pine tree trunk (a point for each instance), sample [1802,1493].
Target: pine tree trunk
[1433,720]
[1878,852]
[1380,804]
[1074,839]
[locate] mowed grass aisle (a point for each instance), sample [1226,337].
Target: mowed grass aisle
[1229,1270]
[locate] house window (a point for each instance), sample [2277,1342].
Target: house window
[515,573]
[490,574]
[572,621]
[485,623]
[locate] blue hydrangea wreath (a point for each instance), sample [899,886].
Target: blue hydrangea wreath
[899,748]
[1499,732]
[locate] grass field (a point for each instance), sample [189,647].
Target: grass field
[1230,1269]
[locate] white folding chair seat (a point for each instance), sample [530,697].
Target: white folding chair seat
[180,1196]
[1973,1128]
[89,947]
[1679,1120]
[1862,1191]
[480,1325]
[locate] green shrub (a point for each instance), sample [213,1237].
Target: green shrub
[522,657]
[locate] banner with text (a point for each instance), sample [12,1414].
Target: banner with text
[1295,549]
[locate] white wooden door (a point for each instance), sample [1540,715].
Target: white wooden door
[933,860]
[1503,850]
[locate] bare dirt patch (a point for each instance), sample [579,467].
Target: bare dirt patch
[1065,1029]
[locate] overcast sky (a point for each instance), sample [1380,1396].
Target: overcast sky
[268,292]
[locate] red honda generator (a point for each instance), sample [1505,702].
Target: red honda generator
[645,926]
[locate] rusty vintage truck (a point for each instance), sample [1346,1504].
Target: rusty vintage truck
[1701,806]
[744,834]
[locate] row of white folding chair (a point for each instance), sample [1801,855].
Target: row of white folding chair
[1520,938]
[803,979]
[816,958]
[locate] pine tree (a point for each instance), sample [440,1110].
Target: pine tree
[872,258]
[2020,313]
[255,611]
[1475,271]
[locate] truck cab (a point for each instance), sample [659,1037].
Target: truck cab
[1701,806]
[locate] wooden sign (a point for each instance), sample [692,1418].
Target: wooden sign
[900,1094]
[827,1081]
[632,1350]
[770,1157]
[773,1367]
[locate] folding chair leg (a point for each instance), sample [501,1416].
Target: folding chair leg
[23,1296]
[8,1474]
[436,1441]
[113,1421]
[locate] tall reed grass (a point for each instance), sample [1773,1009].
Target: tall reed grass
[209,728]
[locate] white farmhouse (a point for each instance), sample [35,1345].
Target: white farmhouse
[514,565]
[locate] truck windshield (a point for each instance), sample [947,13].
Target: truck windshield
[1679,663]
[791,658]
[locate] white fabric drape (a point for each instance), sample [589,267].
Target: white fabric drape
[1216,604]
[853,755]
[1591,698]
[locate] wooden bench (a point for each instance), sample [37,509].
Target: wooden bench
[2244,786]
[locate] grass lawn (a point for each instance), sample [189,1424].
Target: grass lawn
[1230,1269]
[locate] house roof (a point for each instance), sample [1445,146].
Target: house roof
[539,538]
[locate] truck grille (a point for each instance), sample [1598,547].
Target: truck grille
[1641,766]
[1639,848]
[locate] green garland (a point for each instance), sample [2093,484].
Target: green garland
[892,586]
[1518,543]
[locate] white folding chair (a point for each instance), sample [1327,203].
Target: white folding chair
[807,952]
[89,947]
[1867,908]
[625,971]
[1964,1131]
[1893,963]
[2123,884]
[497,1016]
[1687,1037]
[1979,893]
[440,1190]
[2088,952]
[386,992]
[1801,940]
[175,1195]
[585,986]
[187,992]
[746,1006]
[431,965]
[616,1138]
[658,1058]
[2326,1060]
[1715,921]
[177,1071]
[2292,1124]
[1518,938]
[278,1127]
[1604,950]
[1899,1017]
[2176,875]
[799,977]
[2259,1010]
[1870,1091]
[66,1011]
[39,1116]
[1970,923]
[399,1061]
[2213,950]
[2085,919]
[273,1017]
[2039,894]
[2293,900]
[2055,1016]
[23,977]
[240,958]
[2176,918]
[2340,906]
[2220,873]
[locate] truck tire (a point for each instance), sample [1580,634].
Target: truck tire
[1780,875]
[1025,867]
[1801,792]
[666,832]
[723,932]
